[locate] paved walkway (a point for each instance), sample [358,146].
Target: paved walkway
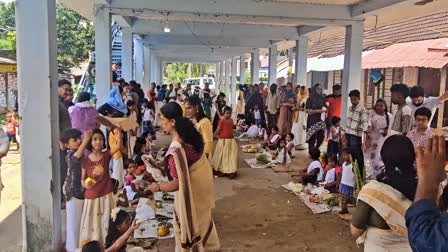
[253,213]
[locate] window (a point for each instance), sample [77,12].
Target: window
[321,78]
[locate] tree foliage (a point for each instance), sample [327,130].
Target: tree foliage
[75,34]
[177,72]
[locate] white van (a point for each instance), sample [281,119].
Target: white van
[200,81]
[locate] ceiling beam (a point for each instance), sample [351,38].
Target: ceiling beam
[173,39]
[367,8]
[214,31]
[241,7]
[124,21]
[308,29]
[152,14]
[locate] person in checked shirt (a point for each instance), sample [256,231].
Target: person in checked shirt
[357,126]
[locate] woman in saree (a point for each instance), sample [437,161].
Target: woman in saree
[241,104]
[379,218]
[196,114]
[287,106]
[315,126]
[192,181]
[299,120]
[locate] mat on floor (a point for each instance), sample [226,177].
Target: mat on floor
[316,208]
[282,168]
[253,163]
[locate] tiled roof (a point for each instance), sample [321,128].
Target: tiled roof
[426,53]
[423,28]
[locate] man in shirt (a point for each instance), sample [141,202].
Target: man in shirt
[64,123]
[272,106]
[115,68]
[427,226]
[422,133]
[418,100]
[357,126]
[402,122]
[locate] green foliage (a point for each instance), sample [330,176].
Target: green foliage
[75,37]
[75,34]
[177,72]
[8,43]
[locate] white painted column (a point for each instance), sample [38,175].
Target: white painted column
[138,59]
[227,78]
[221,76]
[352,64]
[272,73]
[243,68]
[161,64]
[217,76]
[103,54]
[126,55]
[39,124]
[146,68]
[301,61]
[233,89]
[255,66]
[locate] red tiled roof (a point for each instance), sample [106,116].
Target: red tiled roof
[427,53]
[423,28]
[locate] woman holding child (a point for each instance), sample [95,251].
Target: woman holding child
[192,180]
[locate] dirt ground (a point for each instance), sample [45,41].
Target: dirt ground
[253,213]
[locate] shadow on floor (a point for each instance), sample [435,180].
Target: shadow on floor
[11,232]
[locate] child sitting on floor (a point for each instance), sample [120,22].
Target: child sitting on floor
[121,227]
[273,138]
[314,173]
[252,132]
[130,166]
[241,124]
[290,146]
[347,181]
[332,175]
[262,135]
[141,176]
[281,156]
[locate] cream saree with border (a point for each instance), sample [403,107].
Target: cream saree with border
[195,229]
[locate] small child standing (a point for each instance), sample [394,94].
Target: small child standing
[333,139]
[225,158]
[282,155]
[73,190]
[332,175]
[130,166]
[148,117]
[11,125]
[257,114]
[290,146]
[99,200]
[117,171]
[314,173]
[347,181]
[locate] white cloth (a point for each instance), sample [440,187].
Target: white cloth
[316,165]
[262,133]
[74,215]
[432,103]
[118,171]
[293,149]
[147,115]
[280,156]
[330,177]
[129,192]
[257,114]
[348,177]
[335,139]
[252,131]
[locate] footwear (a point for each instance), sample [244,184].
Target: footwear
[232,175]
[343,211]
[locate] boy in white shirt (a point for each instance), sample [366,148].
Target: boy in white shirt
[348,181]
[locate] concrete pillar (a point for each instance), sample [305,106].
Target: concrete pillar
[272,72]
[153,69]
[227,78]
[221,76]
[290,64]
[103,54]
[233,89]
[301,61]
[243,68]
[41,194]
[351,78]
[138,59]
[255,66]
[161,64]
[126,55]
[146,68]
[217,75]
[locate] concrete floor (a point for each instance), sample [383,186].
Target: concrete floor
[253,213]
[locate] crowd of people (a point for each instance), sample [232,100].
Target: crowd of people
[398,205]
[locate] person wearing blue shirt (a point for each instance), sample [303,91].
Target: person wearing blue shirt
[427,226]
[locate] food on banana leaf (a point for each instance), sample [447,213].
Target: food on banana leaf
[295,187]
[262,158]
[332,202]
[326,196]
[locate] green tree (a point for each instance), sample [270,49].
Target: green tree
[75,34]
[75,37]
